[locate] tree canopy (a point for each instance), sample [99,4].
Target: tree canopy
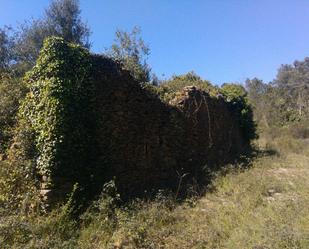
[62,18]
[131,50]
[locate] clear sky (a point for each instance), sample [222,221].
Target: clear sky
[221,40]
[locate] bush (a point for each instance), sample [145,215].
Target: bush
[55,230]
[283,141]
[236,95]
[18,192]
[300,130]
[12,91]
[168,89]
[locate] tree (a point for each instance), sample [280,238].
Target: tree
[131,50]
[6,44]
[62,18]
[285,99]
[28,42]
[258,95]
[293,82]
[11,89]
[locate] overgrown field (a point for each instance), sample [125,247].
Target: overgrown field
[263,204]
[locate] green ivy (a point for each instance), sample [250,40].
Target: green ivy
[58,107]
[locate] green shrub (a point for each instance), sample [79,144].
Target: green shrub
[168,90]
[18,192]
[12,90]
[236,96]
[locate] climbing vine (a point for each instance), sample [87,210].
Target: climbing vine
[58,107]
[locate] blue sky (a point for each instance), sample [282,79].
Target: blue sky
[221,40]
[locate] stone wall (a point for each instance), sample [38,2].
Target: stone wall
[146,143]
[132,135]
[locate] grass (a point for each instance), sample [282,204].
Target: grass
[263,206]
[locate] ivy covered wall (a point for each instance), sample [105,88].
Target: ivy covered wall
[92,122]
[59,110]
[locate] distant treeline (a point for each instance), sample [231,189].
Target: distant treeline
[283,101]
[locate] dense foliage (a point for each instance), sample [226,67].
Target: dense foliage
[284,100]
[236,95]
[11,91]
[58,107]
[5,48]
[168,89]
[130,49]
[61,18]
[19,50]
